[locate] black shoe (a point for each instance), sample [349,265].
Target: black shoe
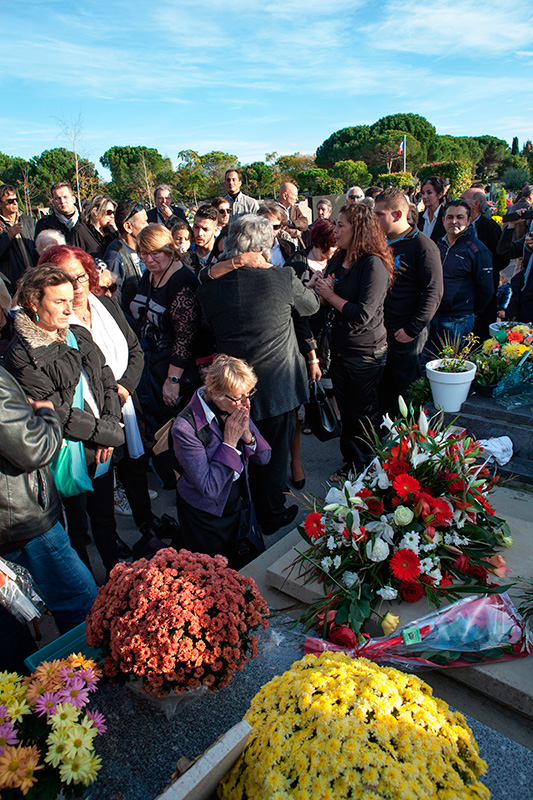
[280,520]
[298,484]
[123,550]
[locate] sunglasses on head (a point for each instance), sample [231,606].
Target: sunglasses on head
[135,210]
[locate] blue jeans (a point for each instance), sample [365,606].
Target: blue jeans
[61,578]
[442,328]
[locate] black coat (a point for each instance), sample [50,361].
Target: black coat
[438,230]
[50,370]
[84,235]
[250,313]
[488,231]
[177,215]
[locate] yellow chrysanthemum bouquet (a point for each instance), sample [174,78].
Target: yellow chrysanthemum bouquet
[503,353]
[334,727]
[46,734]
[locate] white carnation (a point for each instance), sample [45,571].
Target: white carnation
[426,565]
[377,551]
[337,561]
[349,579]
[331,544]
[387,593]
[326,563]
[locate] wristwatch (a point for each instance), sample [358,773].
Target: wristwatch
[173,379]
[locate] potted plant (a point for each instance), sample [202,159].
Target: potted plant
[490,369]
[451,375]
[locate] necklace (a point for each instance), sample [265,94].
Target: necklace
[157,285]
[87,316]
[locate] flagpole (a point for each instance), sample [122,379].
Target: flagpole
[404,152]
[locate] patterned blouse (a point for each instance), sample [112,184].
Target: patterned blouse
[168,317]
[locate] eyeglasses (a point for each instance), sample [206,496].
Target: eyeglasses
[135,210]
[10,201]
[109,212]
[277,227]
[81,278]
[355,197]
[246,396]
[224,211]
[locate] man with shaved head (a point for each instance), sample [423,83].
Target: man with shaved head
[294,221]
[487,231]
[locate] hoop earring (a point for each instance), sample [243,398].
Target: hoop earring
[37,318]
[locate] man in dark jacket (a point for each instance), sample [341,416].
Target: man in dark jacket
[412,299]
[250,313]
[163,212]
[64,215]
[30,509]
[487,231]
[17,252]
[121,257]
[467,274]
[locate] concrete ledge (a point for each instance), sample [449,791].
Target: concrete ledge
[509,683]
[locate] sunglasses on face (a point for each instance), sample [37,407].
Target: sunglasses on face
[11,201]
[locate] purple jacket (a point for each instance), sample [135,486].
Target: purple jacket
[207,475]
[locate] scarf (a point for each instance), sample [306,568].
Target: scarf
[68,221]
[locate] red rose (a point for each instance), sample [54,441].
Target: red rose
[374,506]
[395,468]
[411,591]
[342,636]
[479,573]
[461,563]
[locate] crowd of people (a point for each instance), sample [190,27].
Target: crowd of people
[119,323]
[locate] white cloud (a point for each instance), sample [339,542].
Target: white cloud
[434,28]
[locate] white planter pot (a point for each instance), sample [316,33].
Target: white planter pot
[449,389]
[494,327]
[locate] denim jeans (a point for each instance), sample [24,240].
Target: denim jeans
[442,328]
[61,578]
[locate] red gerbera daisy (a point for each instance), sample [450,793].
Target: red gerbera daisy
[405,565]
[515,336]
[442,512]
[404,485]
[313,525]
[364,493]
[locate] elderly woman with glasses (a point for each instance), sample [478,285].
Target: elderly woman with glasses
[214,439]
[96,228]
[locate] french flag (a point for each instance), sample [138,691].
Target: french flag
[401,147]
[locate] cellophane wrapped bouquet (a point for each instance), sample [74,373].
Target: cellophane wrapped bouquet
[177,621]
[47,733]
[416,523]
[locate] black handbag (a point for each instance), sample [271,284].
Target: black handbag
[319,414]
[250,542]
[323,345]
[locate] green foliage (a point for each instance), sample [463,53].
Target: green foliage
[352,173]
[494,152]
[318,181]
[514,146]
[214,166]
[258,179]
[341,145]
[382,151]
[514,178]
[530,165]
[286,168]
[59,164]
[398,179]
[527,148]
[459,173]
[501,205]
[419,128]
[450,148]
[134,171]
[11,168]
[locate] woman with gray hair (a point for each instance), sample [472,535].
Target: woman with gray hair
[250,312]
[96,227]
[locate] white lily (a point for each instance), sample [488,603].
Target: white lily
[381,528]
[423,422]
[387,422]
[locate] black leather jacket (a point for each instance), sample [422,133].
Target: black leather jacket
[29,441]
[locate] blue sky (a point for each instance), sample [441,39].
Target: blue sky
[250,77]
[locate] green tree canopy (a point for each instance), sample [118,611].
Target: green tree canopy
[286,168]
[419,128]
[514,178]
[214,166]
[318,181]
[352,173]
[341,145]
[494,152]
[448,148]
[381,150]
[59,164]
[258,179]
[134,170]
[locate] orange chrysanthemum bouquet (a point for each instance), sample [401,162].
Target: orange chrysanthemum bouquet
[177,621]
[415,523]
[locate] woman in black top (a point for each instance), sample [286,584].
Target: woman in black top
[355,285]
[167,317]
[96,228]
[431,221]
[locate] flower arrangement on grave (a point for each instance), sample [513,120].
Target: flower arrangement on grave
[416,523]
[46,733]
[510,343]
[505,353]
[177,621]
[475,630]
[337,727]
